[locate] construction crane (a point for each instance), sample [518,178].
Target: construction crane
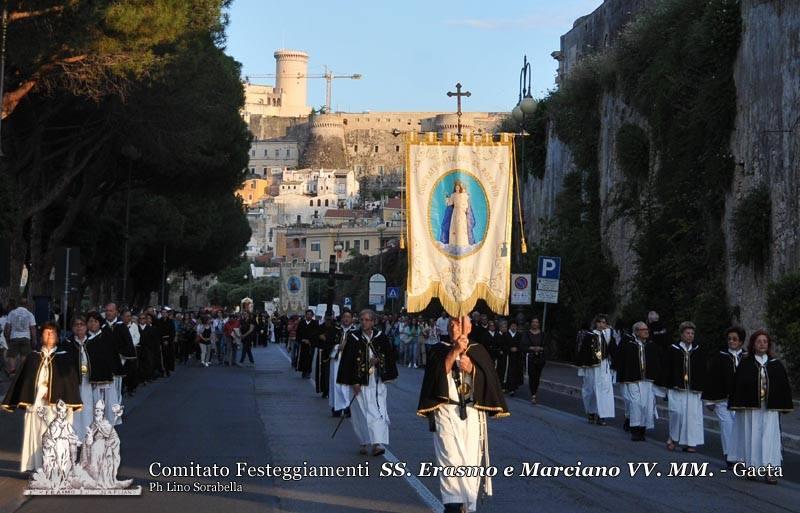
[329,76]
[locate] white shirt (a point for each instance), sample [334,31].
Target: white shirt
[134,329]
[21,320]
[3,343]
[441,325]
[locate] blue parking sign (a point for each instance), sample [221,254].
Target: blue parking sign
[549,267]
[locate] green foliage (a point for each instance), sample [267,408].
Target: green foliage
[752,229]
[217,294]
[392,264]
[633,158]
[783,318]
[674,65]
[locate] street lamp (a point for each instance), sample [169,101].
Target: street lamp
[526,106]
[338,248]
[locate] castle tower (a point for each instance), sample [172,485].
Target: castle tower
[291,82]
[325,147]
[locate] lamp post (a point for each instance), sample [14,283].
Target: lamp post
[380,248]
[526,106]
[338,248]
[130,152]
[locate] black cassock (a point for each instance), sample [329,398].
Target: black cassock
[64,381]
[306,330]
[149,352]
[748,385]
[492,344]
[123,343]
[166,331]
[354,368]
[592,349]
[509,363]
[323,346]
[487,394]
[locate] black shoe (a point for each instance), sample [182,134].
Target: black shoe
[324,396]
[347,412]
[592,418]
[453,507]
[336,413]
[601,422]
[627,425]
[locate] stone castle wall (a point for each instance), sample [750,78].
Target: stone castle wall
[765,143]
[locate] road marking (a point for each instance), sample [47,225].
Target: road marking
[422,491]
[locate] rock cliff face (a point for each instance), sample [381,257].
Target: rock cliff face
[765,143]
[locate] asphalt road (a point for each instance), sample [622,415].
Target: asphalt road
[268,415]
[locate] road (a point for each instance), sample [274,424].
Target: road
[268,415]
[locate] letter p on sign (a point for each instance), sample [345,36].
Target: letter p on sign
[549,267]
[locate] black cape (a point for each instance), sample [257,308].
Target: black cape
[103,358]
[323,345]
[676,374]
[123,343]
[486,392]
[354,365]
[64,381]
[746,392]
[629,364]
[592,348]
[721,369]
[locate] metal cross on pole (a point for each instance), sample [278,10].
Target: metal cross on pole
[458,94]
[331,276]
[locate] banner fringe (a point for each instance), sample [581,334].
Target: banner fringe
[453,307]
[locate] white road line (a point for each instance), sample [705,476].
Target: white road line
[427,497]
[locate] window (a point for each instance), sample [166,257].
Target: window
[277,153]
[250,197]
[310,203]
[316,213]
[253,153]
[315,245]
[265,153]
[326,203]
[253,170]
[366,244]
[253,184]
[298,219]
[288,153]
[347,245]
[319,202]
[397,148]
[376,148]
[357,245]
[355,149]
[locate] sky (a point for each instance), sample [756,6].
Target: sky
[410,52]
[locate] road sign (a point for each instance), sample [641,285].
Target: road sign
[520,289]
[548,274]
[377,290]
[393,293]
[546,296]
[549,267]
[348,302]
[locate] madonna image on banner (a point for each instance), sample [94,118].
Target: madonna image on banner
[458,213]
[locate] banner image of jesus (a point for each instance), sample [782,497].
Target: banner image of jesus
[459,221]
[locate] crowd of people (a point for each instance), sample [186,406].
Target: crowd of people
[746,388]
[470,365]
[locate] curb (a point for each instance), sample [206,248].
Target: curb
[789,441]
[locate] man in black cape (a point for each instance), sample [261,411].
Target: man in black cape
[464,374]
[307,333]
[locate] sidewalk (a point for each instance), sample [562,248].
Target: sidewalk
[563,378]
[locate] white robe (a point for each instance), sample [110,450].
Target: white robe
[685,417]
[597,391]
[31,456]
[83,418]
[459,229]
[642,403]
[458,444]
[757,436]
[339,396]
[108,393]
[369,414]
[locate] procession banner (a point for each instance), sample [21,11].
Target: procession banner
[294,293]
[459,204]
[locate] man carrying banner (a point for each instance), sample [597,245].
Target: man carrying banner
[368,362]
[464,373]
[340,395]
